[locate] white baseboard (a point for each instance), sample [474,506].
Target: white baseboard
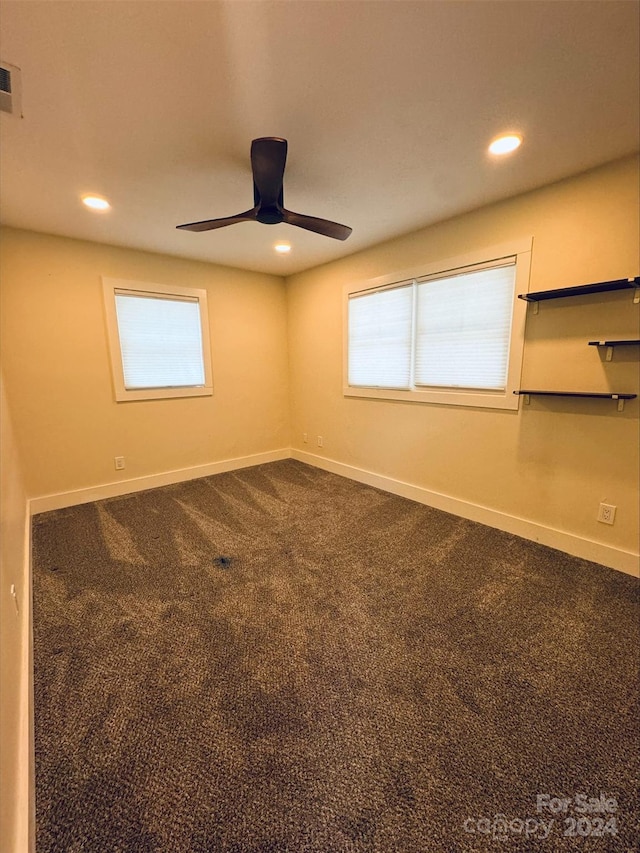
[23,839]
[624,561]
[151,481]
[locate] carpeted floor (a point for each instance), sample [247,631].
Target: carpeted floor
[280,660]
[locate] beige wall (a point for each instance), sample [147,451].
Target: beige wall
[57,372]
[552,462]
[14,764]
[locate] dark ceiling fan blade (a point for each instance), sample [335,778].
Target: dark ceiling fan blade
[210,224]
[320,226]
[268,158]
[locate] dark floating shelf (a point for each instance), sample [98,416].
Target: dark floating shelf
[577,394]
[633,343]
[582,289]
[619,397]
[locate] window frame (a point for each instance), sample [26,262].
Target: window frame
[520,250]
[111,286]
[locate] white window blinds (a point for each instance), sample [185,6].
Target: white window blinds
[446,332]
[463,329]
[160,341]
[380,333]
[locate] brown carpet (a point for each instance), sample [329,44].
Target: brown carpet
[280,659]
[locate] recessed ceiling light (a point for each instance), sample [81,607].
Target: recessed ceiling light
[283,248]
[95,202]
[505,144]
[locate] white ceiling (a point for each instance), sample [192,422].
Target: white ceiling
[388,108]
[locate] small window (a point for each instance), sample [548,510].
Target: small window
[158,340]
[450,336]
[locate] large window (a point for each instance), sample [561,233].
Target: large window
[453,335]
[158,340]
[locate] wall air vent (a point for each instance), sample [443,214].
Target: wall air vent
[10,89]
[5,80]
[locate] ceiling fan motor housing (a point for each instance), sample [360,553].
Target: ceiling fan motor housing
[270,215]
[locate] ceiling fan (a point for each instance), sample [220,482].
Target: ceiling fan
[268,158]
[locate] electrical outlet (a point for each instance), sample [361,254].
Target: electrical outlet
[606,513]
[320,441]
[119,462]
[14,595]
[305,437]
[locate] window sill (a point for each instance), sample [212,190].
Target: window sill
[475,399]
[124,396]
